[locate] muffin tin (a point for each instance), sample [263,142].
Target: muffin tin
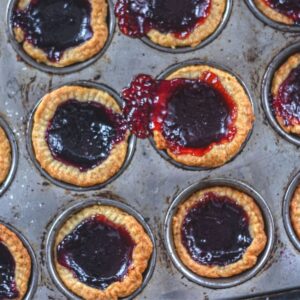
[149,184]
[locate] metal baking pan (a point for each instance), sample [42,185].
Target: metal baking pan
[268,162]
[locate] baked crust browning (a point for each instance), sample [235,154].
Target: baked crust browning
[140,256]
[5,156]
[295,211]
[68,173]
[77,54]
[272,13]
[200,32]
[256,229]
[219,154]
[280,76]
[21,257]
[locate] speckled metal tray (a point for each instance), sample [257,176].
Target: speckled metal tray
[268,163]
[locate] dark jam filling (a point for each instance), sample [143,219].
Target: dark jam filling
[82,134]
[215,231]
[192,114]
[8,288]
[137,17]
[289,8]
[287,102]
[55,25]
[97,251]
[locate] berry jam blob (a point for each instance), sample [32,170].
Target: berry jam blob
[286,103]
[55,25]
[82,134]
[8,288]
[193,115]
[98,252]
[289,8]
[180,17]
[215,231]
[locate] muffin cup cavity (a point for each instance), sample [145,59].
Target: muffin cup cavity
[66,214]
[222,282]
[286,214]
[14,156]
[111,22]
[130,149]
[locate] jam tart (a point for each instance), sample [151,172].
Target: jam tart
[15,266]
[281,11]
[183,23]
[79,135]
[200,115]
[295,211]
[60,33]
[101,252]
[5,156]
[219,232]
[286,95]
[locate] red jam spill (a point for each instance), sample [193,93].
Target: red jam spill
[137,17]
[192,114]
[98,252]
[216,231]
[287,102]
[55,25]
[290,8]
[8,288]
[82,134]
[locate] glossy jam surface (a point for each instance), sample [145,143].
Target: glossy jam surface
[55,25]
[82,134]
[137,17]
[192,114]
[287,102]
[97,251]
[216,231]
[290,8]
[8,288]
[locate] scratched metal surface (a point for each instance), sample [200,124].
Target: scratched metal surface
[268,162]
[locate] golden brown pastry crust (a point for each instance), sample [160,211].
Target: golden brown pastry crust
[256,229]
[67,173]
[222,153]
[272,13]
[295,211]
[5,156]
[140,256]
[200,33]
[280,76]
[76,54]
[21,257]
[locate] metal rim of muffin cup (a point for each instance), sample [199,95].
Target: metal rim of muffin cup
[75,208]
[34,277]
[177,66]
[220,283]
[130,149]
[266,20]
[14,156]
[286,211]
[111,22]
[205,42]
[277,61]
